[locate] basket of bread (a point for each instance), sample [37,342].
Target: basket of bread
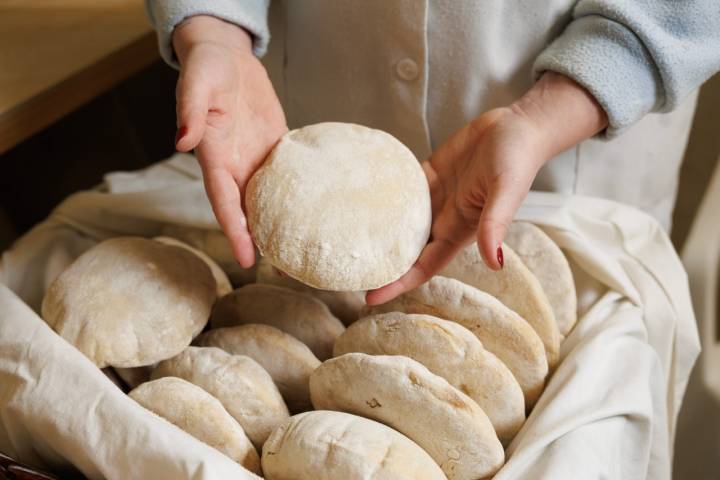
[284,369]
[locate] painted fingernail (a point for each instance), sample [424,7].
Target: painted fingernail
[182,131]
[500,258]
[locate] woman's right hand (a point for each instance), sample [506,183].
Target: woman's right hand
[229,113]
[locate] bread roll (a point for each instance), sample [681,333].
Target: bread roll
[130,301]
[243,387]
[299,314]
[222,282]
[328,445]
[288,361]
[501,331]
[215,245]
[344,305]
[516,287]
[406,396]
[340,207]
[546,261]
[200,414]
[446,349]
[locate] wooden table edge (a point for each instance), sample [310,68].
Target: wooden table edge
[29,117]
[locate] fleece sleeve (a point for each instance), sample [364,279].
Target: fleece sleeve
[165,15]
[637,56]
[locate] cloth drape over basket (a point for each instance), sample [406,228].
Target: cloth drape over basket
[608,411]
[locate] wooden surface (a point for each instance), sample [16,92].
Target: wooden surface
[56,55]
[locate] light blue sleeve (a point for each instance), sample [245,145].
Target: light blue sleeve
[165,15]
[637,56]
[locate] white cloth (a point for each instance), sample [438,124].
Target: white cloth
[608,411]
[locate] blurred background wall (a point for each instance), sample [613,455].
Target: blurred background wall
[701,157]
[697,443]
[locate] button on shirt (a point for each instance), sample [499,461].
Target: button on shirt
[407,69]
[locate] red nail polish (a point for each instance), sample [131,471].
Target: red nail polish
[182,131]
[500,258]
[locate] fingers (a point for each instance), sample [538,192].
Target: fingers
[437,193]
[434,256]
[224,195]
[192,104]
[504,198]
[450,234]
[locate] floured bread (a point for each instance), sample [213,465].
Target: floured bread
[243,387]
[340,207]
[192,409]
[406,396]
[344,305]
[446,349]
[288,361]
[501,331]
[130,301]
[546,261]
[222,282]
[299,314]
[215,245]
[325,445]
[516,287]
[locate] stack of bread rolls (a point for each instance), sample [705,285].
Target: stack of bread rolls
[292,375]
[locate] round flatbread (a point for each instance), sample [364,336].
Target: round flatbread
[406,396]
[243,387]
[288,361]
[215,245]
[548,263]
[501,331]
[340,207]
[516,287]
[130,301]
[344,305]
[195,411]
[222,281]
[446,349]
[327,445]
[299,314]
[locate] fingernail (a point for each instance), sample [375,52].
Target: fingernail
[500,258]
[182,131]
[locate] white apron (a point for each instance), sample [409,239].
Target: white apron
[421,70]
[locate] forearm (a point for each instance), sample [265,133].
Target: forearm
[637,57]
[563,113]
[166,15]
[209,30]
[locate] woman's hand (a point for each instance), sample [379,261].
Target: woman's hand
[479,177]
[229,113]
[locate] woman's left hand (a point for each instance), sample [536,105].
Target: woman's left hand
[479,177]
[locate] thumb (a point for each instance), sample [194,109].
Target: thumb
[192,104]
[504,198]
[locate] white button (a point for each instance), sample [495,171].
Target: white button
[407,69]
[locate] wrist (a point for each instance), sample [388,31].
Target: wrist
[561,111]
[206,29]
